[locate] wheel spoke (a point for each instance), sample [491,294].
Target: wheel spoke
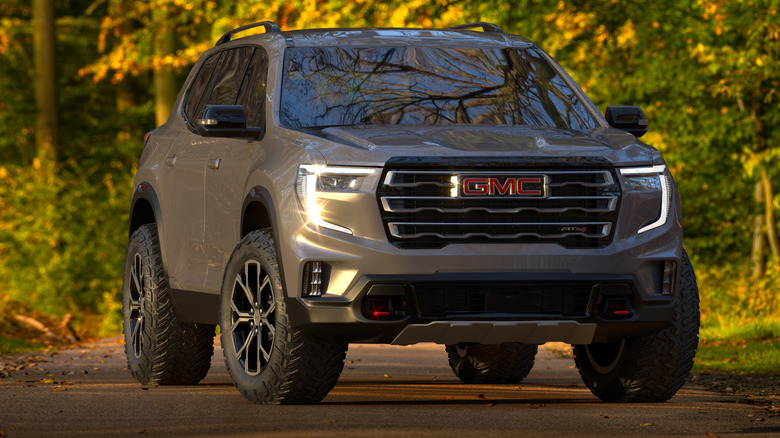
[136,281]
[136,335]
[242,352]
[269,326]
[242,316]
[261,350]
[247,292]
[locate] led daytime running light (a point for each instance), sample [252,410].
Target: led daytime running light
[666,193]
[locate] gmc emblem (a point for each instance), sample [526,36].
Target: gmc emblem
[525,186]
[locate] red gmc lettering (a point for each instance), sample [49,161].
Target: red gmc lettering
[475,186]
[522,191]
[497,189]
[494,186]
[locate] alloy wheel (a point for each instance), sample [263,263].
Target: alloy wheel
[252,317]
[137,293]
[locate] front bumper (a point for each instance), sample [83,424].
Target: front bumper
[628,271]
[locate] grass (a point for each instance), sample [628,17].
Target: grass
[740,347]
[740,330]
[18,345]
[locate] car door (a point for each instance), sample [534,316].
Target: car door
[190,158]
[182,189]
[227,172]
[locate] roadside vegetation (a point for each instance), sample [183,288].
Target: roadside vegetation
[706,72]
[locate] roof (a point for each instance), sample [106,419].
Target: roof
[457,36]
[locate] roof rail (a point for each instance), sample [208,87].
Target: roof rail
[486,27]
[270,27]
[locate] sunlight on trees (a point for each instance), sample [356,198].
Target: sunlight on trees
[706,72]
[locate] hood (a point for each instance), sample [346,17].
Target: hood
[375,145]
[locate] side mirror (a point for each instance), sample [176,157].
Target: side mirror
[628,118]
[226,121]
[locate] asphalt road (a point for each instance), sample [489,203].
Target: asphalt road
[383,391]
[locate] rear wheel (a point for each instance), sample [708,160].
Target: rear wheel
[509,362]
[161,350]
[269,361]
[649,368]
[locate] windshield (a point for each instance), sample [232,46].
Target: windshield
[336,86]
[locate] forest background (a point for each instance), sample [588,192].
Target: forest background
[81,81]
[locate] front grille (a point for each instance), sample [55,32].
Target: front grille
[530,299]
[428,209]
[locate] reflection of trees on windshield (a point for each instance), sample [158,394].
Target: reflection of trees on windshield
[424,85]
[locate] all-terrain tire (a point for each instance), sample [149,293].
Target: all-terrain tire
[160,349]
[509,362]
[300,368]
[649,368]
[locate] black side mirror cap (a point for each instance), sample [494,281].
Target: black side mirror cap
[628,118]
[226,121]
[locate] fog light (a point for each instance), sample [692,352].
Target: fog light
[315,279]
[670,269]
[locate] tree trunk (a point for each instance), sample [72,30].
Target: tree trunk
[165,87]
[758,255]
[125,89]
[769,213]
[46,132]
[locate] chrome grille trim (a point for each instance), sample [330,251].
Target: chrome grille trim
[387,205]
[426,208]
[606,226]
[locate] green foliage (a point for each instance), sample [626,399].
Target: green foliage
[707,73]
[740,324]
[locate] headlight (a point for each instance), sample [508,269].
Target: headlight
[314,182]
[648,179]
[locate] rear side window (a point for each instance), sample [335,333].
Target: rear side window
[218,81]
[228,80]
[252,94]
[192,107]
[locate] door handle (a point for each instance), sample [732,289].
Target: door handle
[214,163]
[170,161]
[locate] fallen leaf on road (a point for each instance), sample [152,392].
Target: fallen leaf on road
[573,384]
[49,381]
[482,396]
[58,388]
[143,431]
[491,404]
[712,435]
[760,419]
[329,421]
[387,375]
[646,424]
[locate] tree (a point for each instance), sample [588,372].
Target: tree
[46,133]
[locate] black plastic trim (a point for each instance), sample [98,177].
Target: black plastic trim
[341,318]
[197,307]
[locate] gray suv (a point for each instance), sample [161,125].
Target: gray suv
[315,188]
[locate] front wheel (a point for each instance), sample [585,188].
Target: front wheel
[649,368]
[268,360]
